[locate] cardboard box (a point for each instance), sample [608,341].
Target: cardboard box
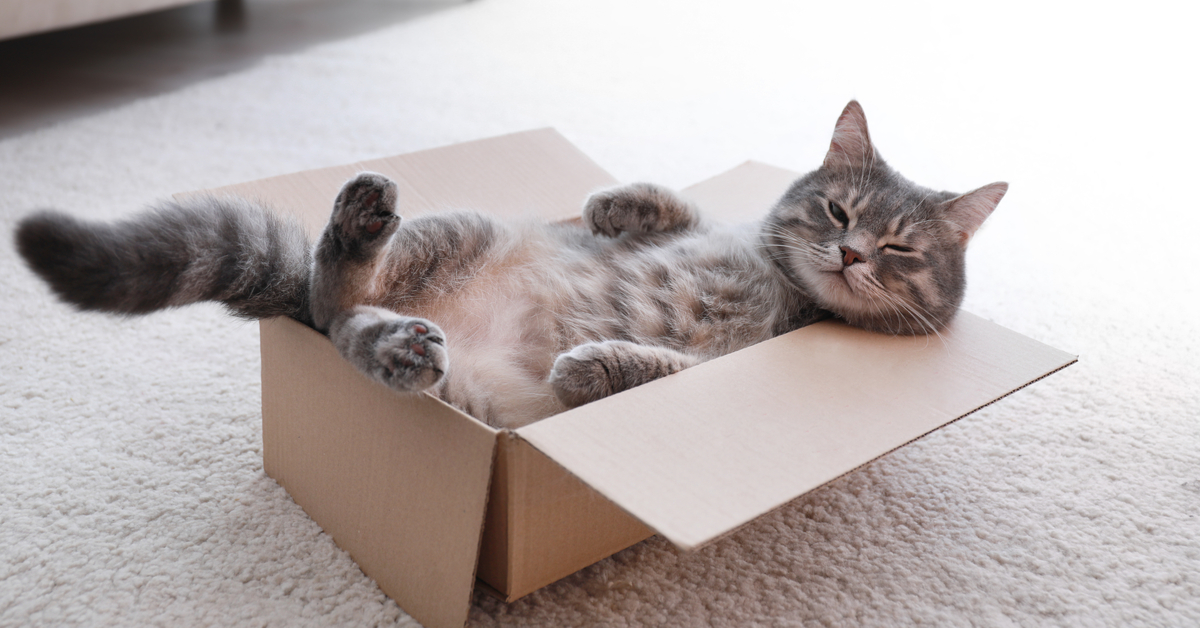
[425,497]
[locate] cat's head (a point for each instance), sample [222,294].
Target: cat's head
[869,245]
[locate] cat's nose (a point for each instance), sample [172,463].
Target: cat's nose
[849,256]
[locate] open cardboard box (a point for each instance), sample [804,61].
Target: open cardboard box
[425,498]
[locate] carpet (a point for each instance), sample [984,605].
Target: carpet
[133,492]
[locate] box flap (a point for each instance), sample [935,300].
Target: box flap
[694,461]
[399,481]
[745,193]
[529,174]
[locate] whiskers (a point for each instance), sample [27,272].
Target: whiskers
[791,243]
[907,311]
[862,297]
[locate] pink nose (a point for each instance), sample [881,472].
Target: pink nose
[849,256]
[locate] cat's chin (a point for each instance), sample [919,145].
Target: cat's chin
[845,296]
[836,293]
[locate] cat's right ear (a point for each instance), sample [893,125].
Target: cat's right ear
[968,211]
[851,145]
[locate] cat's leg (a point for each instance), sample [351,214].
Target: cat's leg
[598,369]
[352,246]
[638,208]
[404,353]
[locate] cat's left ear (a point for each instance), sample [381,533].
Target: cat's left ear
[969,211]
[851,145]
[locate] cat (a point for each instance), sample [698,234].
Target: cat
[514,322]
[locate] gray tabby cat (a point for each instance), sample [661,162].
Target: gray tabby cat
[542,317]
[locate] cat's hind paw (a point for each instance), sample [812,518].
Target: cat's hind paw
[595,370]
[639,208]
[583,375]
[404,353]
[411,355]
[364,214]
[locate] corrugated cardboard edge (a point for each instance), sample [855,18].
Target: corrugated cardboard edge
[734,530]
[766,513]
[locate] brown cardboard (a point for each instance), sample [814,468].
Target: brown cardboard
[401,482]
[543,523]
[532,174]
[742,194]
[791,414]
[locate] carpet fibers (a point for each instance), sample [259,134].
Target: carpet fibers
[132,489]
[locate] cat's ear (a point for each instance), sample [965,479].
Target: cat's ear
[851,145]
[969,211]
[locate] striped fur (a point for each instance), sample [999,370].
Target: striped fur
[180,252]
[512,322]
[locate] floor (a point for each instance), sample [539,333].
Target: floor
[130,449]
[51,77]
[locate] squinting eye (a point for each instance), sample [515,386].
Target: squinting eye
[898,248]
[838,214]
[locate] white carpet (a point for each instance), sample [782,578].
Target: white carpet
[132,487]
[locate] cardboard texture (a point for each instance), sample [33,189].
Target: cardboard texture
[543,523]
[400,482]
[791,414]
[533,174]
[422,495]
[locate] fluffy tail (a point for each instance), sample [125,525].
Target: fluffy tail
[204,249]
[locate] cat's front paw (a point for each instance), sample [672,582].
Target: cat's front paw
[638,207]
[364,214]
[583,374]
[404,353]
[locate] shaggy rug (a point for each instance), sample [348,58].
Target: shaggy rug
[132,487]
